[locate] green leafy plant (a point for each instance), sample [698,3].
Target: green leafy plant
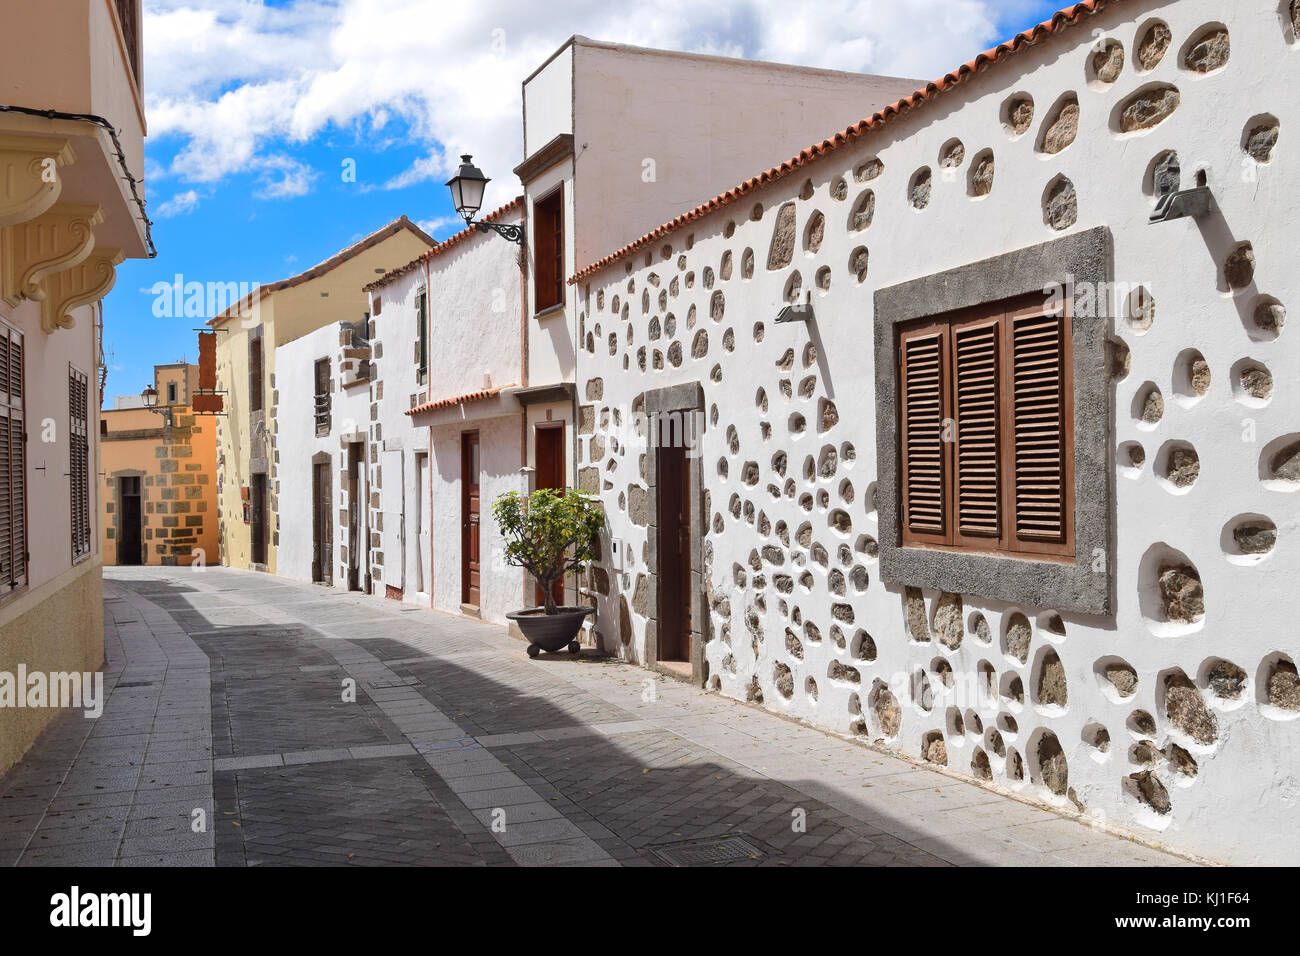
[549,534]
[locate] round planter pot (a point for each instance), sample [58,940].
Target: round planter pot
[551,632]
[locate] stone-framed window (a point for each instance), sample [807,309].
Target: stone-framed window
[1051,302]
[322,399]
[422,337]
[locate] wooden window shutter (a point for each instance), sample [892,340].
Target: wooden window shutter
[1041,429]
[976,392]
[13,487]
[924,454]
[548,250]
[79,460]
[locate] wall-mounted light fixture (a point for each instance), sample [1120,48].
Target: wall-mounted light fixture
[797,312]
[150,397]
[1175,203]
[467,188]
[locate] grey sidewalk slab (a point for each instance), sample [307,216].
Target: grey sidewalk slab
[454,727]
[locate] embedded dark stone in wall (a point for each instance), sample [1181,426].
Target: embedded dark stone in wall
[1184,467]
[1180,590]
[1227,681]
[637,505]
[599,579]
[918,193]
[589,480]
[1270,317]
[754,693]
[641,595]
[1180,760]
[1119,358]
[981,178]
[1122,677]
[1108,62]
[781,251]
[1151,49]
[1063,127]
[792,645]
[1257,382]
[979,765]
[953,155]
[1052,767]
[1284,686]
[1186,710]
[885,706]
[1255,538]
[784,680]
[595,389]
[624,621]
[1052,688]
[1286,463]
[948,620]
[916,621]
[1210,52]
[1020,114]
[1148,107]
[933,748]
[868,170]
[1149,791]
[1061,204]
[838,671]
[1239,267]
[816,232]
[1018,636]
[1260,142]
[864,210]
[858,261]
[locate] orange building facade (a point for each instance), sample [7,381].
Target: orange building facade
[159,493]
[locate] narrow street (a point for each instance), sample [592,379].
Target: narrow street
[226,695]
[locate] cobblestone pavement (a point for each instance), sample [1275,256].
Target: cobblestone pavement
[254,721]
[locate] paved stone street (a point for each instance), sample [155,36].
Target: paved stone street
[228,694]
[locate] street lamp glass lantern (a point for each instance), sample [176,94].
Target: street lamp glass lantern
[150,396]
[467,188]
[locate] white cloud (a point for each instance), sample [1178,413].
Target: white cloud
[238,78]
[178,205]
[283,177]
[442,224]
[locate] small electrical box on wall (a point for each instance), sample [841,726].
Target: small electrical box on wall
[615,554]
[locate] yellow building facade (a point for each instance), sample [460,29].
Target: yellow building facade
[71,210]
[158,476]
[248,334]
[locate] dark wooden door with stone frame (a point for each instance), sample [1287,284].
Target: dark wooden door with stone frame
[549,451]
[470,570]
[674,482]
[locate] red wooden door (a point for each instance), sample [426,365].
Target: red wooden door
[674,555]
[549,450]
[469,457]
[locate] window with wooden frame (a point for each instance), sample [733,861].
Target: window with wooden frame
[986,449]
[13,481]
[323,401]
[79,460]
[422,337]
[548,251]
[255,371]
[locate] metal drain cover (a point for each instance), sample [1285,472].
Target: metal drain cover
[708,852]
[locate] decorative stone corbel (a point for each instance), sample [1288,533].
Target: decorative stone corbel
[86,282]
[58,240]
[29,175]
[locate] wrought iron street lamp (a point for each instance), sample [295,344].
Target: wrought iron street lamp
[467,188]
[150,396]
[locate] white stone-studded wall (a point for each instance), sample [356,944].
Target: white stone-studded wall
[298,443]
[1183,731]
[395,390]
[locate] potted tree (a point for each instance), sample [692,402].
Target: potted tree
[549,534]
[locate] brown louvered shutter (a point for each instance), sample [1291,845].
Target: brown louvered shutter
[977,394]
[1041,428]
[924,460]
[13,484]
[79,460]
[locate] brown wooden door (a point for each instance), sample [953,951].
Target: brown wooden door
[129,538]
[469,461]
[258,523]
[548,447]
[355,532]
[322,568]
[674,555]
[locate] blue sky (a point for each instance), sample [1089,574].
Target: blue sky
[256,111]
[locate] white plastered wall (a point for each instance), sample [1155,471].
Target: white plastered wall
[1240,804]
